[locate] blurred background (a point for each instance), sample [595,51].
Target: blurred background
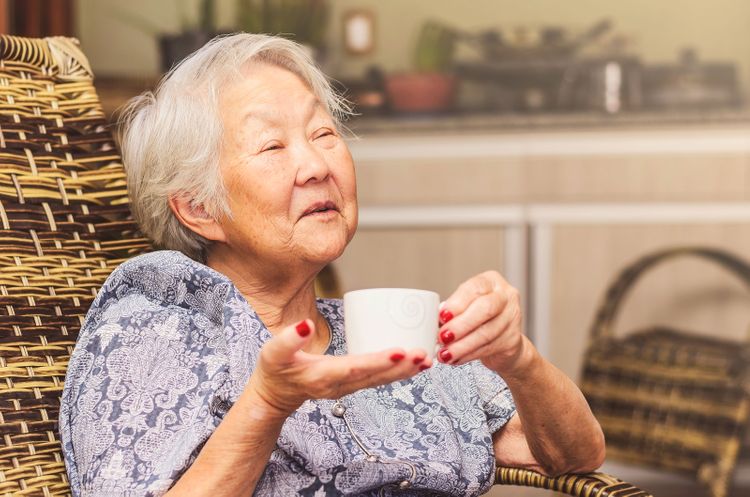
[556,142]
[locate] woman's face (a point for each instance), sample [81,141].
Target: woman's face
[288,173]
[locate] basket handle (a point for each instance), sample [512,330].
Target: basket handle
[617,291]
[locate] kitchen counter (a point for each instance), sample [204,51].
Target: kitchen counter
[473,122]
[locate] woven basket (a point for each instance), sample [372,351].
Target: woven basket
[667,399]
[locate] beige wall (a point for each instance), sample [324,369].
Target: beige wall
[718,28]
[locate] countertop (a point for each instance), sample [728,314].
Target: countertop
[482,122]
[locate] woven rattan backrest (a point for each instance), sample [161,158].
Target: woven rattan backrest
[65,226]
[666,398]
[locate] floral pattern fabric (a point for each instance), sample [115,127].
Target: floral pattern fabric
[169,344]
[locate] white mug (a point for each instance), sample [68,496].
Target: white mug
[376,319]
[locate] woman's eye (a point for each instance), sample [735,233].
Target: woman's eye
[272,146]
[325,133]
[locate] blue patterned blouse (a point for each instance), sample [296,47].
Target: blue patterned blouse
[169,344]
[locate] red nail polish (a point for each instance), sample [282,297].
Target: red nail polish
[303,329]
[397,356]
[417,360]
[445,316]
[445,355]
[423,367]
[447,336]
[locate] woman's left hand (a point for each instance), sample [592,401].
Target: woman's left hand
[483,320]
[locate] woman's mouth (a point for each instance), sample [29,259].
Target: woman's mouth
[320,209]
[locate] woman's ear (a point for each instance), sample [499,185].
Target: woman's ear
[194,217]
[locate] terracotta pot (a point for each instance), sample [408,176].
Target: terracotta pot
[420,92]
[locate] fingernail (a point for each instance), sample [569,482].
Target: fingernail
[447,336]
[445,355]
[303,329]
[417,360]
[397,356]
[445,316]
[423,367]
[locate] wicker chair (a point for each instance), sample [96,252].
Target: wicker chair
[65,227]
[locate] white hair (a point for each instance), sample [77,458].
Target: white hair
[170,138]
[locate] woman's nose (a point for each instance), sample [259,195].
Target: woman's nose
[312,166]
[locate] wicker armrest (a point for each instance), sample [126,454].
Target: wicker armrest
[588,485]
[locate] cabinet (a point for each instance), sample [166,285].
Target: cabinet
[559,213]
[436,258]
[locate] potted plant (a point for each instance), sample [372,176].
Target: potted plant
[173,47]
[303,21]
[430,87]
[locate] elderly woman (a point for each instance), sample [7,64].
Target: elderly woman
[210,368]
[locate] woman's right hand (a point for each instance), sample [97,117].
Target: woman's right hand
[285,376]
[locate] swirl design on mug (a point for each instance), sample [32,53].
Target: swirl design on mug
[408,311]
